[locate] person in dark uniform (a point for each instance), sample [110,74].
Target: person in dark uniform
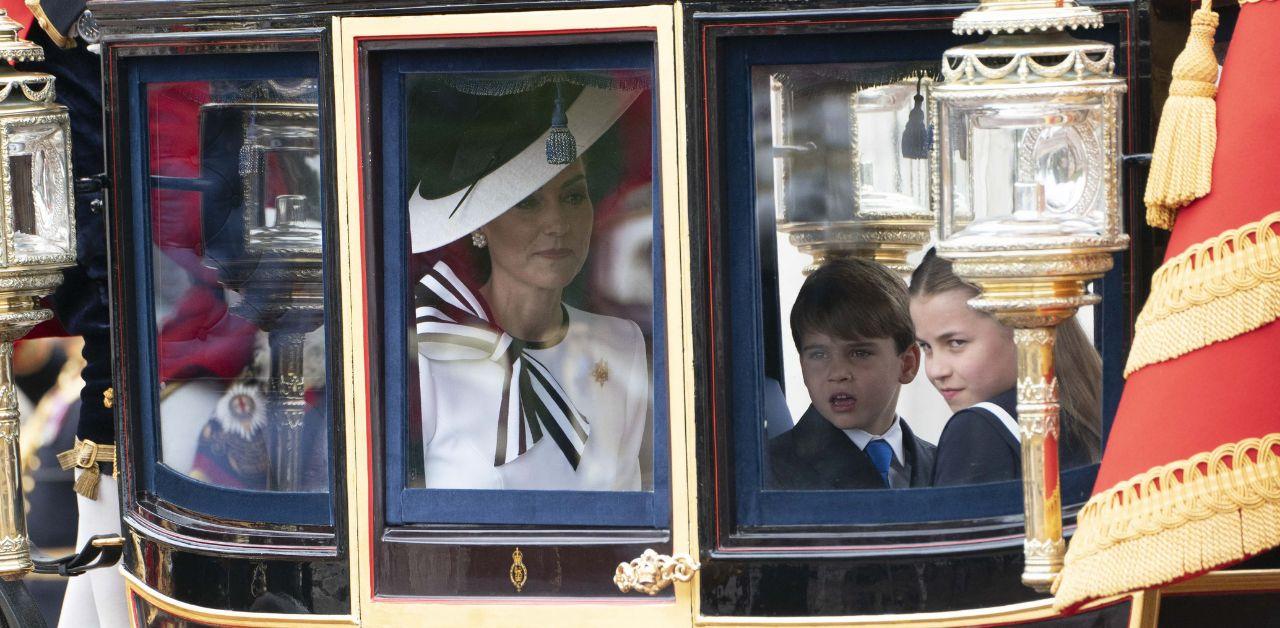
[852,326]
[81,304]
[972,360]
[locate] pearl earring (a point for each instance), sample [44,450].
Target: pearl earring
[478,240]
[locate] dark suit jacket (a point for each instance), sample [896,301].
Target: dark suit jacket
[976,447]
[816,455]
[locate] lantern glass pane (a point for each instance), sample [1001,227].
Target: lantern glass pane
[1058,146]
[40,212]
[892,147]
[843,143]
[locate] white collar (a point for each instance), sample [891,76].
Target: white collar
[893,436]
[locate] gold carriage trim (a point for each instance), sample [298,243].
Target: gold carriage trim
[1213,291]
[1176,520]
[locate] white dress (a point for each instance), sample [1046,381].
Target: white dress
[601,365]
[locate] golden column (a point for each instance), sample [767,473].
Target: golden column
[1026,175]
[36,242]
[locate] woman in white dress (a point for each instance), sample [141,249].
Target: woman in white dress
[519,390]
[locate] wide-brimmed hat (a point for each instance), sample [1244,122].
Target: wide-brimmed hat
[481,145]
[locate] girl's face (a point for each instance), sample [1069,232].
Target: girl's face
[968,355]
[542,240]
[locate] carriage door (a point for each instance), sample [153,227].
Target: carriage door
[513,269]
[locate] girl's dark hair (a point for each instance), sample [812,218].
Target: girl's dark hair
[852,298]
[1076,361]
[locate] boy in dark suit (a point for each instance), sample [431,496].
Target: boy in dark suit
[851,324]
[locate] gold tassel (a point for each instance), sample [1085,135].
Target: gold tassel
[86,455]
[87,483]
[1182,163]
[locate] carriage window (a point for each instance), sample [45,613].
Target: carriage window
[880,396]
[887,385]
[238,290]
[528,200]
[232,304]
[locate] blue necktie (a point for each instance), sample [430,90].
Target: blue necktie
[881,455]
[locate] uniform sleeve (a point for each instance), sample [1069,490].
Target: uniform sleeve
[637,413]
[971,450]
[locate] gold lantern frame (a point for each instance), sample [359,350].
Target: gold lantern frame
[1032,277]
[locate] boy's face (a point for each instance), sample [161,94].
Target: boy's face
[854,383]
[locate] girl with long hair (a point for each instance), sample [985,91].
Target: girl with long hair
[972,360]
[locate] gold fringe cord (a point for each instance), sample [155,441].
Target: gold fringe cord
[1214,291]
[86,455]
[1182,162]
[1174,521]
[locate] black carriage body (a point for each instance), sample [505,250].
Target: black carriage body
[952,553]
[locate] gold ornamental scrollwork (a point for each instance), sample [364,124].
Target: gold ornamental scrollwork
[653,572]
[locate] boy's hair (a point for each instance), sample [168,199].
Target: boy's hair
[852,298]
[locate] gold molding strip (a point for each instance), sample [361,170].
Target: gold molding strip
[237,619]
[1233,581]
[1145,612]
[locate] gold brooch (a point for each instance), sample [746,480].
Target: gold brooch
[600,372]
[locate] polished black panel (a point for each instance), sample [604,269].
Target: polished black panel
[1220,610]
[266,585]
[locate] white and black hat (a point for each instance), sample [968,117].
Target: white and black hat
[479,145]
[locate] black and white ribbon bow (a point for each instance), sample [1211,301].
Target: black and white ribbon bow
[453,325]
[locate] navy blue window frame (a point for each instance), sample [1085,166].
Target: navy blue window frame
[273,507]
[750,231]
[405,505]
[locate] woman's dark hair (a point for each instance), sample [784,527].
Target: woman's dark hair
[1076,361]
[852,298]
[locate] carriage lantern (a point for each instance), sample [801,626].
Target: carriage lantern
[36,243]
[1027,158]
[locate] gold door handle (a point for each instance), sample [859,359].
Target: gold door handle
[653,572]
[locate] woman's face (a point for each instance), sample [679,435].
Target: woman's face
[542,240]
[968,355]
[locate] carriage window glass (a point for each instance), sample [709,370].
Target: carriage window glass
[532,348]
[237,285]
[532,294]
[871,383]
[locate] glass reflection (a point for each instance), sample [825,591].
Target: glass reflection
[238,282]
[844,147]
[530,206]
[838,174]
[39,189]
